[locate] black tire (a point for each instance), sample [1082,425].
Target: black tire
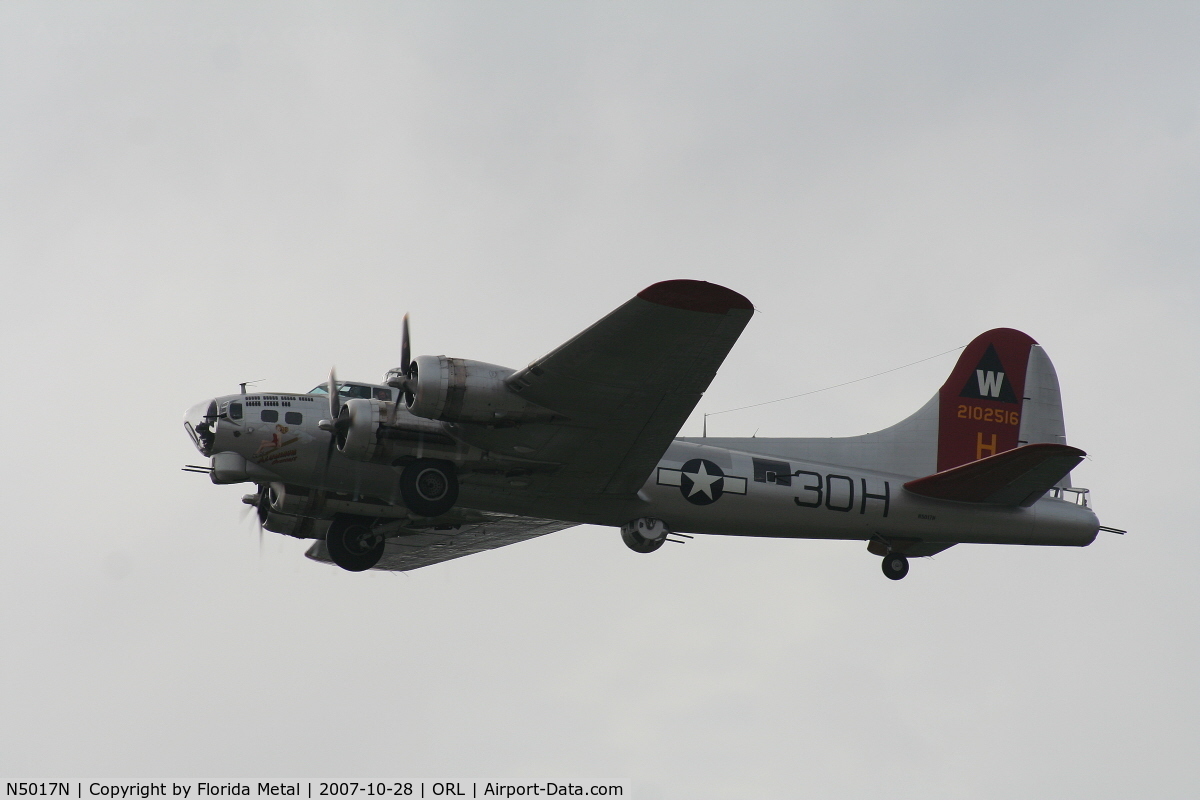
[895,565]
[640,544]
[352,544]
[429,487]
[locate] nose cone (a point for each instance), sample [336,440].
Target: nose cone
[198,422]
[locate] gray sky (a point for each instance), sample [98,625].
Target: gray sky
[193,195]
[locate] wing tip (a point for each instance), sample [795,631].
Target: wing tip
[692,295]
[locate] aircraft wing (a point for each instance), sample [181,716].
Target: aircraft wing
[1016,477]
[421,548]
[628,383]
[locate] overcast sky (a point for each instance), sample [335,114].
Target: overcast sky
[194,195]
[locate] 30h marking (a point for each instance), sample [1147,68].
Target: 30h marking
[837,492]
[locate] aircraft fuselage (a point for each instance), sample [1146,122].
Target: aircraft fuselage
[695,488]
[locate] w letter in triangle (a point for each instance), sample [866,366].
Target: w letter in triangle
[990,380]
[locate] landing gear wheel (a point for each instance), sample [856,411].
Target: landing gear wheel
[640,544]
[352,544]
[895,565]
[429,487]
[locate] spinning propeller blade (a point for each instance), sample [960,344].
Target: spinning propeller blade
[260,504]
[334,399]
[405,350]
[339,421]
[404,381]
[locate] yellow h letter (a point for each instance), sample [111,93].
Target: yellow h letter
[980,446]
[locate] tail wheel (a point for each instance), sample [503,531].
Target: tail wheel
[429,487]
[352,544]
[895,565]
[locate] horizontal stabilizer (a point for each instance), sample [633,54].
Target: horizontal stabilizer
[1013,478]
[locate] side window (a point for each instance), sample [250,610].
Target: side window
[235,410]
[269,415]
[293,417]
[777,472]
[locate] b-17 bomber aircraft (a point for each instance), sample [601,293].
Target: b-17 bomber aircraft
[449,457]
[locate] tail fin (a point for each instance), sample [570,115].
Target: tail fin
[1002,393]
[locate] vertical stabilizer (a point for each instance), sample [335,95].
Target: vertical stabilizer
[1002,394]
[980,404]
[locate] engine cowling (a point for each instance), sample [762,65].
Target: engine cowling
[458,390]
[366,432]
[287,499]
[359,422]
[293,525]
[287,503]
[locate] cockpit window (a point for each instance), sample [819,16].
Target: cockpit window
[350,391]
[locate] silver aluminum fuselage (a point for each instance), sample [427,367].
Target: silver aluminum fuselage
[801,499]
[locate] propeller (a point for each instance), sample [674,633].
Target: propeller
[405,350]
[404,380]
[260,504]
[338,420]
[335,400]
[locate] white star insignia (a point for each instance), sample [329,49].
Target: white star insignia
[702,482]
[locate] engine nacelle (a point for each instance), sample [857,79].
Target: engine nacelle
[289,525]
[458,390]
[363,433]
[287,499]
[287,506]
[358,435]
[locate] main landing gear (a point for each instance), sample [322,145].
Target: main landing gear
[429,487]
[352,544]
[895,565]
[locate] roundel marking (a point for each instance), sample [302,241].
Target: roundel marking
[701,482]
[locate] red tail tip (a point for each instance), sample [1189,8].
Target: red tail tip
[695,296]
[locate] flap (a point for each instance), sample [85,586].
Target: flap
[1016,477]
